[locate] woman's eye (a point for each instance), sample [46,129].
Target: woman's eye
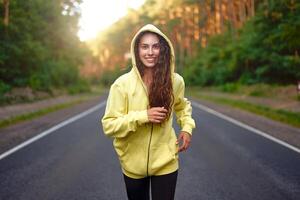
[156,47]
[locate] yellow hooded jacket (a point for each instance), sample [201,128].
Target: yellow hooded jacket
[144,149]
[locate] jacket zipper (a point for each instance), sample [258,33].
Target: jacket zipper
[149,149]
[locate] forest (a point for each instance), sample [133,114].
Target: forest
[39,46]
[216,42]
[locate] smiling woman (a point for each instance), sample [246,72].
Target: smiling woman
[139,117]
[97,15]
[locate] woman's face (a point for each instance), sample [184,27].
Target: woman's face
[149,49]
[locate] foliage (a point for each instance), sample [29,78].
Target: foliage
[229,87]
[39,47]
[3,89]
[80,86]
[266,50]
[109,76]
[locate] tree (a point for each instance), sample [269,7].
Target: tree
[41,43]
[6,12]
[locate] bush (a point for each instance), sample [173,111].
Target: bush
[40,81]
[259,91]
[62,74]
[81,86]
[4,88]
[109,76]
[230,87]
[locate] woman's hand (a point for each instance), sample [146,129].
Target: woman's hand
[157,114]
[185,139]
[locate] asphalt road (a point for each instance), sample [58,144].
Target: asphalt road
[225,162]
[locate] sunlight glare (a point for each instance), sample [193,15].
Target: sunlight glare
[96,15]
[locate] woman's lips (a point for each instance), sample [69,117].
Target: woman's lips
[150,59]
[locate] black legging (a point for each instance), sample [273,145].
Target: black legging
[162,187]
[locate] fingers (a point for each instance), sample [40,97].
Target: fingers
[161,109]
[185,138]
[158,118]
[157,114]
[183,147]
[179,138]
[156,121]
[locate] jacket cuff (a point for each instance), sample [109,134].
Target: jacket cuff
[187,129]
[143,117]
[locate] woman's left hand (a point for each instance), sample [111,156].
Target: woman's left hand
[185,139]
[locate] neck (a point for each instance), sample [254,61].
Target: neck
[147,77]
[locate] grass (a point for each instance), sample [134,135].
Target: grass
[94,91]
[28,95]
[257,90]
[291,118]
[36,114]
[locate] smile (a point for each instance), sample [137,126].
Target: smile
[150,59]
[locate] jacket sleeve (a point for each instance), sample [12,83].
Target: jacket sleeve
[117,122]
[183,109]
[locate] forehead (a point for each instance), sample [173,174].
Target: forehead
[149,38]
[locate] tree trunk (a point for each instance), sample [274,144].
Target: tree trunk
[232,14]
[221,29]
[6,12]
[250,8]
[242,13]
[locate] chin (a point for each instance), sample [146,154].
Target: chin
[150,65]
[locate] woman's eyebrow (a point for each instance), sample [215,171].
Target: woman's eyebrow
[157,43]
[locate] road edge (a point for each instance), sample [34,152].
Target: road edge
[245,126]
[51,130]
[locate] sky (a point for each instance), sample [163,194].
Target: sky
[97,15]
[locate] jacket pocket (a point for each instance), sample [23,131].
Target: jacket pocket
[174,149]
[162,156]
[134,159]
[121,147]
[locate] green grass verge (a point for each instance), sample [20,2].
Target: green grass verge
[32,115]
[284,116]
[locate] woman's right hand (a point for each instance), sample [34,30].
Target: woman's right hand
[157,114]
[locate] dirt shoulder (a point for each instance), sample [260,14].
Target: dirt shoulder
[276,102]
[20,132]
[279,130]
[10,111]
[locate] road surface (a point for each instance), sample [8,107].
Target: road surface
[225,161]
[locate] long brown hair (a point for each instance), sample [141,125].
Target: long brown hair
[161,89]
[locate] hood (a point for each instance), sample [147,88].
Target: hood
[151,28]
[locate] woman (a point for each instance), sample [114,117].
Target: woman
[139,114]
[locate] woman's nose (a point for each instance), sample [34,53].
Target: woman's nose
[150,51]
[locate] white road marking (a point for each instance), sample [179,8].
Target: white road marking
[64,123]
[236,122]
[54,128]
